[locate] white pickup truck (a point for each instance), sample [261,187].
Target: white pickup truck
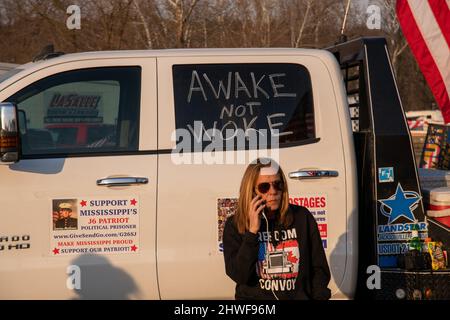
[98,135]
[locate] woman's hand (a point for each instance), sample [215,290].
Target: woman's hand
[256,206]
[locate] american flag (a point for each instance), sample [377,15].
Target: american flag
[426,27]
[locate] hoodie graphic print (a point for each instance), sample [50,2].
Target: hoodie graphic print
[278,260]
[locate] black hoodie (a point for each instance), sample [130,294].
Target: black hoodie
[295,268]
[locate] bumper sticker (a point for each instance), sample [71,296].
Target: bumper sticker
[94,225]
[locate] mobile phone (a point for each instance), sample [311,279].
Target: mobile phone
[263,212]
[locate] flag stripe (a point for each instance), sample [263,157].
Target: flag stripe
[424,57]
[442,14]
[433,37]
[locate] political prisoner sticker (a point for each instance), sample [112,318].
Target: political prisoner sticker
[94,225]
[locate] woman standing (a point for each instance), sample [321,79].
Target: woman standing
[272,249]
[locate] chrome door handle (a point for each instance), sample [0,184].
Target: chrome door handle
[122,181]
[313,174]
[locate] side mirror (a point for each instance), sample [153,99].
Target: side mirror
[9,134]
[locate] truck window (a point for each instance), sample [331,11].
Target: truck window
[246,98]
[80,111]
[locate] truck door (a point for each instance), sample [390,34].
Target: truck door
[78,210]
[296,92]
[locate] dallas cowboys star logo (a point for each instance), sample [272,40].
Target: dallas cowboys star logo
[402,203]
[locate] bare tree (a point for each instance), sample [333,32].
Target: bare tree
[181,14]
[311,23]
[391,26]
[298,37]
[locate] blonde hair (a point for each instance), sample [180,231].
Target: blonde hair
[246,194]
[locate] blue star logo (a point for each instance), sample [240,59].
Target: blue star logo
[402,203]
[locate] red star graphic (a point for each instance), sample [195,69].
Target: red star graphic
[133,248]
[133,202]
[56,251]
[83,203]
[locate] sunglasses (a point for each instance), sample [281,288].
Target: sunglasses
[265,186]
